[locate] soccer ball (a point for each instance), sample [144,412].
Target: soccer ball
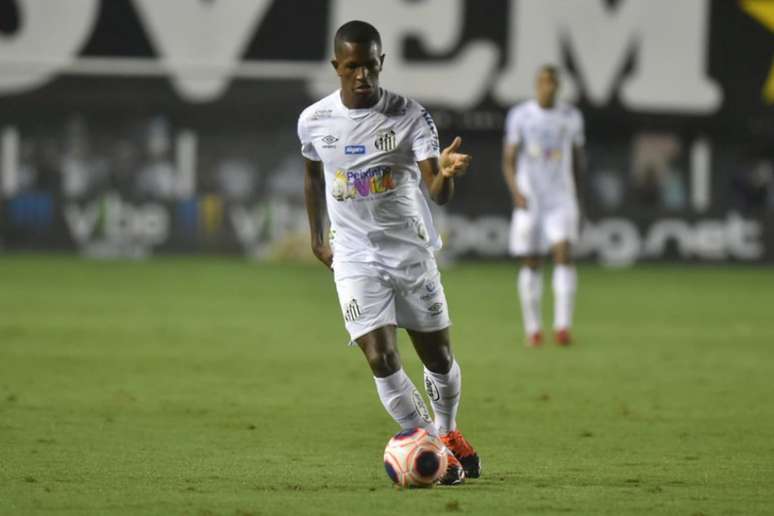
[414,458]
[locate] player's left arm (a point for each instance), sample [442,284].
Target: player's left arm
[579,173]
[438,173]
[579,160]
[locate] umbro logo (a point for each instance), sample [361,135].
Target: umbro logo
[329,141]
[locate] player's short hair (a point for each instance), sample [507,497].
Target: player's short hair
[551,69]
[356,31]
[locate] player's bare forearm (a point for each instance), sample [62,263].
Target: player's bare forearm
[442,189]
[314,197]
[439,173]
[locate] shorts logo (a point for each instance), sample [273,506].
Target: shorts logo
[432,389]
[419,405]
[435,309]
[354,149]
[386,140]
[352,311]
[329,142]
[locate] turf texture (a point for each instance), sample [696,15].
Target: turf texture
[207,386]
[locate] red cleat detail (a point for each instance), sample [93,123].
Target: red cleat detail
[563,337]
[535,340]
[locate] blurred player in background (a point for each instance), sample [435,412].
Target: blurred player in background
[542,165]
[367,152]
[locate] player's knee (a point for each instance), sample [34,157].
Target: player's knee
[383,362]
[531,262]
[441,361]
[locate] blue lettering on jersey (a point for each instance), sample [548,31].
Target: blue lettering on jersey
[354,149]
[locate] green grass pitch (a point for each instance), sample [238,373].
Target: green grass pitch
[207,386]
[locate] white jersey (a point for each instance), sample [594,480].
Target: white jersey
[372,182]
[546,138]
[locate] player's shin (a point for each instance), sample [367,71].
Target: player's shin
[403,402]
[565,284]
[444,393]
[530,292]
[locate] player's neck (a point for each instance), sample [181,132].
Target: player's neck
[354,102]
[547,103]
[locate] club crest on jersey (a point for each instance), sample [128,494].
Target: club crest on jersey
[354,149]
[386,140]
[352,184]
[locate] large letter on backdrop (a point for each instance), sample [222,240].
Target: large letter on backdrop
[201,42]
[668,39]
[48,39]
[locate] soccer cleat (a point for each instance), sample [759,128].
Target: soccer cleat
[464,452]
[563,337]
[534,340]
[455,473]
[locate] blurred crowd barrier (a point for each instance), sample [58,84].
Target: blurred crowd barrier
[132,128]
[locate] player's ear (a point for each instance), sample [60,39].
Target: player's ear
[381,61]
[335,65]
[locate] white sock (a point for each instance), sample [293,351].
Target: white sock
[530,291]
[565,284]
[403,402]
[444,393]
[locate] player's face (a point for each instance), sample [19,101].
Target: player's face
[546,87]
[358,66]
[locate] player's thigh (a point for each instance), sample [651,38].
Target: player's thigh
[562,226]
[367,300]
[420,300]
[525,237]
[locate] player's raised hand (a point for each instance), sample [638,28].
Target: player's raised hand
[454,163]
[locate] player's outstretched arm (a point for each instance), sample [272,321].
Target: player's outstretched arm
[438,174]
[314,196]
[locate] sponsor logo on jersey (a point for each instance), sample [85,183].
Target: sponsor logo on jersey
[351,311]
[329,141]
[354,149]
[386,140]
[362,183]
[322,113]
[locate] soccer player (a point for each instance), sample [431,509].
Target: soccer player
[542,164]
[367,151]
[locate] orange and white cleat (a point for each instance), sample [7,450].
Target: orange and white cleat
[562,337]
[463,451]
[455,473]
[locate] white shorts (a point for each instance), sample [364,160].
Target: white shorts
[372,296]
[535,230]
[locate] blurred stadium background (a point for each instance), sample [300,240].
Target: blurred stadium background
[198,382]
[132,128]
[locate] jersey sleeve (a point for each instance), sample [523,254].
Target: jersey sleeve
[512,134]
[579,133]
[307,148]
[424,136]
